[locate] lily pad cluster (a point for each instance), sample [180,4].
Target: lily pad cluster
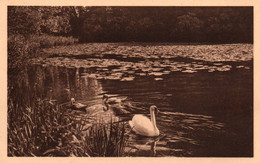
[153,61]
[210,53]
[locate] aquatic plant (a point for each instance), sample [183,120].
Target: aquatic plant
[107,140]
[47,129]
[34,130]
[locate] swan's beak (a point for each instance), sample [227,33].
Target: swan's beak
[105,108]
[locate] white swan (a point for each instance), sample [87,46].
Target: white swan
[143,126]
[112,100]
[114,103]
[76,105]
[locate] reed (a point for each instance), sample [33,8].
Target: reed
[107,140]
[47,129]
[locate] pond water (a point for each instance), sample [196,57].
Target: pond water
[206,108]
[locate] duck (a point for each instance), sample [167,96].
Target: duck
[142,125]
[76,105]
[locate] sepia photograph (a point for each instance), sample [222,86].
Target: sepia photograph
[130,81]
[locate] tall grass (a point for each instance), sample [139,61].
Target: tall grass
[107,139]
[31,131]
[46,41]
[48,129]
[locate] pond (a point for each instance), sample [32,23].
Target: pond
[205,100]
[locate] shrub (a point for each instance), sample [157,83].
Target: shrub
[19,50]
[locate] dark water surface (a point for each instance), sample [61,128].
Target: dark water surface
[202,112]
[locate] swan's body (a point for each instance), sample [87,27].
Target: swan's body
[118,109]
[76,105]
[141,125]
[115,104]
[112,100]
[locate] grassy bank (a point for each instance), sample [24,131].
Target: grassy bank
[21,47]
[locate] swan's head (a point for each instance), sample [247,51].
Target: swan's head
[105,96]
[153,108]
[72,100]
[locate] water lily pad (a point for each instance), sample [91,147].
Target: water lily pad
[158,79]
[176,69]
[189,71]
[241,66]
[166,72]
[156,69]
[141,74]
[113,77]
[218,64]
[130,72]
[130,78]
[155,73]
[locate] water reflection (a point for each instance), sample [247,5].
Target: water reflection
[202,113]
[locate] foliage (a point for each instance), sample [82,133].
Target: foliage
[24,20]
[50,41]
[171,24]
[117,24]
[21,48]
[32,28]
[107,139]
[46,129]
[31,131]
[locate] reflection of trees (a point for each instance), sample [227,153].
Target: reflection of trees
[56,82]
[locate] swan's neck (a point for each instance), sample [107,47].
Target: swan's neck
[107,106]
[153,120]
[105,103]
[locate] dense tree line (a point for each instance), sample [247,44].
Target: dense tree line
[122,24]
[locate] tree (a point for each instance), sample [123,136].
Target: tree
[55,20]
[24,20]
[189,26]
